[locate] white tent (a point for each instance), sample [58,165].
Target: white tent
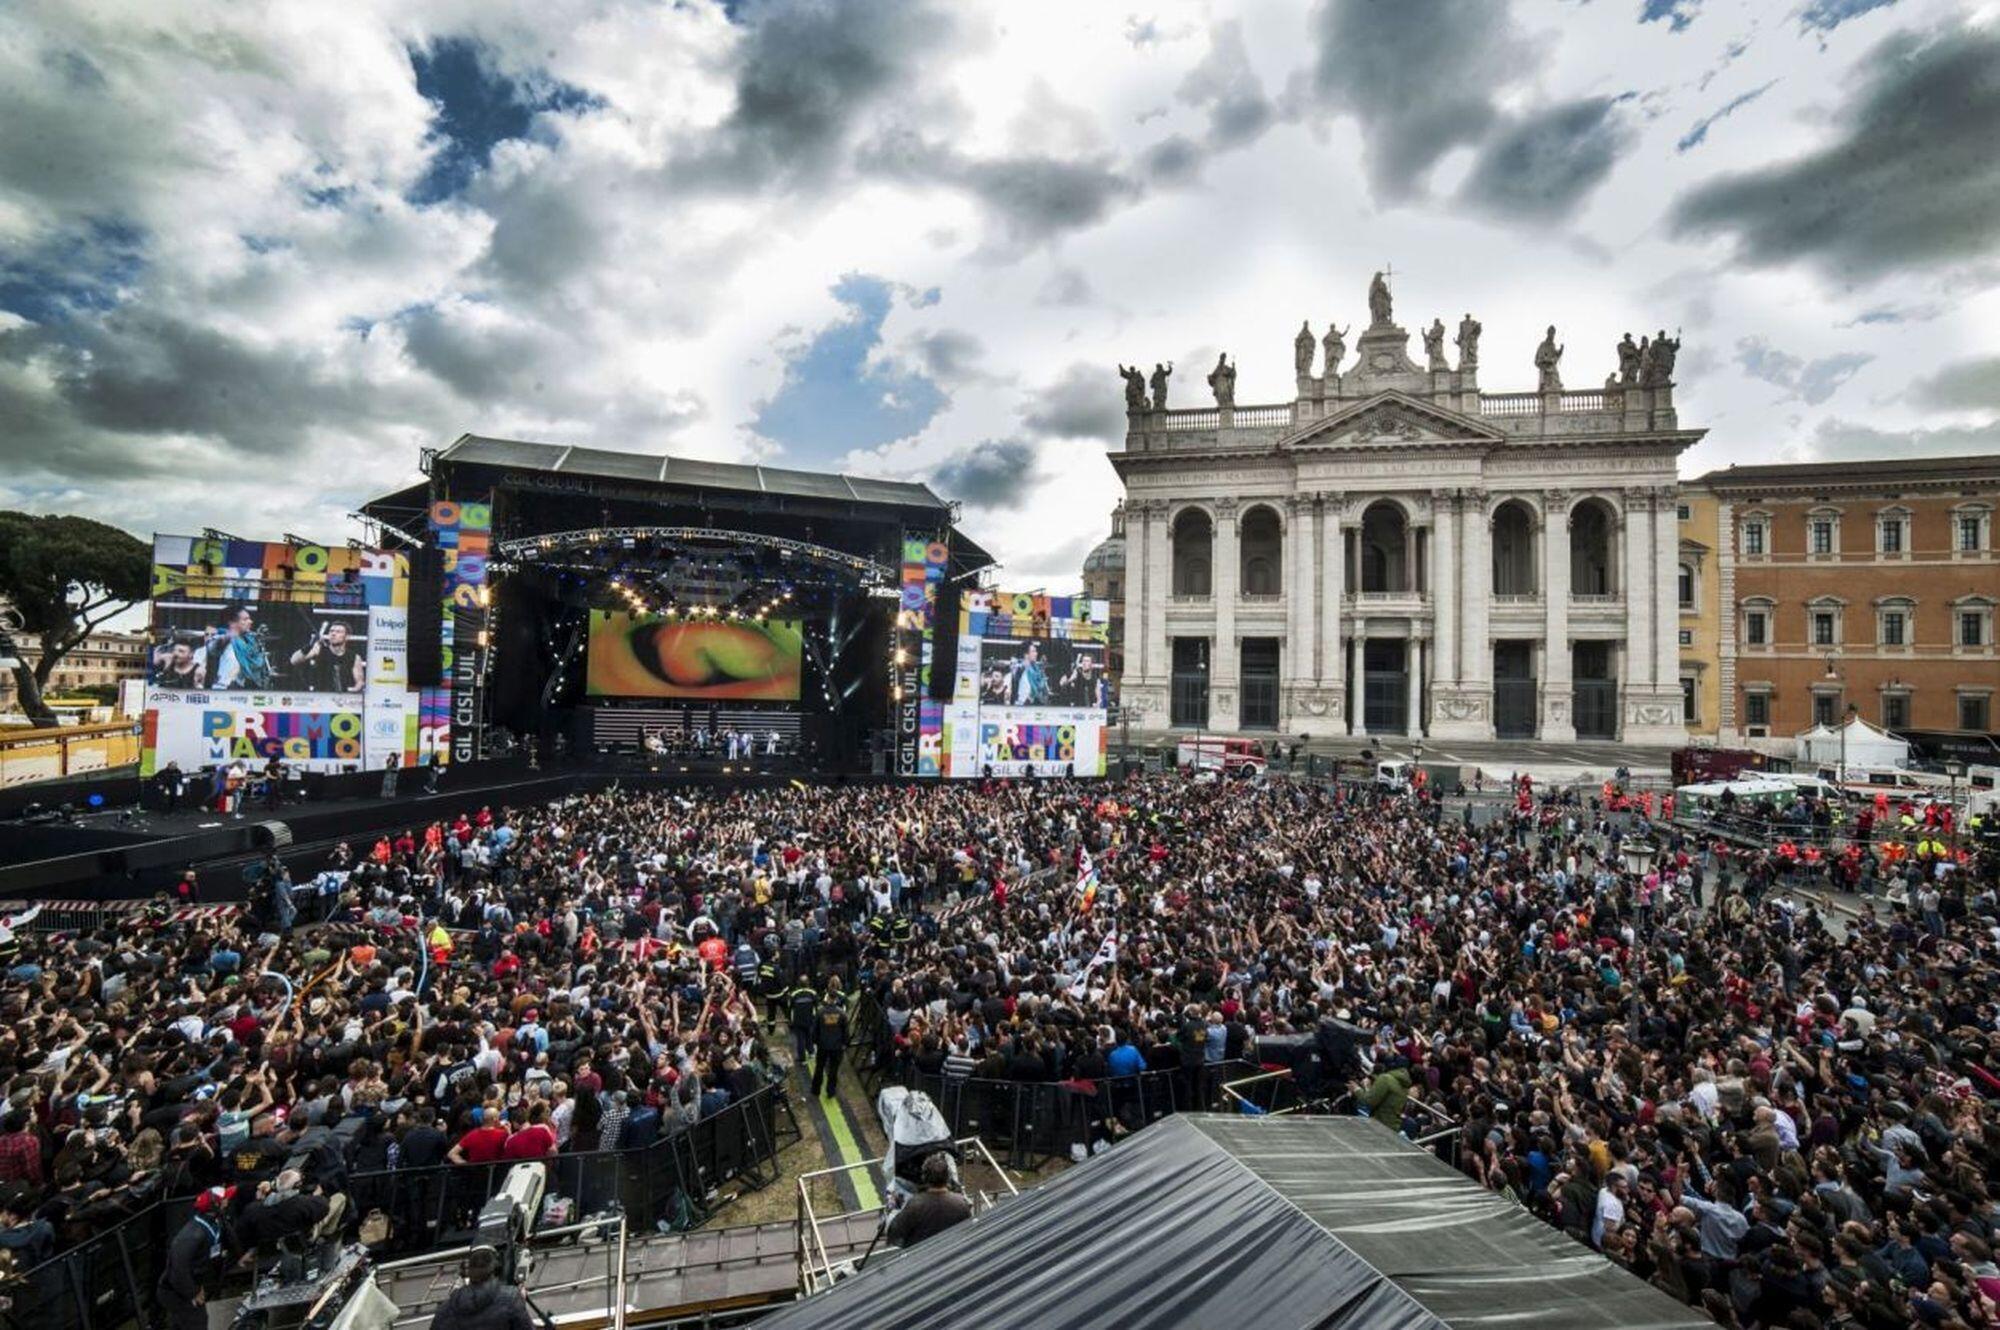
[1866,746]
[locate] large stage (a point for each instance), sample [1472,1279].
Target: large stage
[635,603]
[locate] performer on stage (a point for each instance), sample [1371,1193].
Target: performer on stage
[236,654]
[329,664]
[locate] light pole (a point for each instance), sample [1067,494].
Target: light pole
[1955,770]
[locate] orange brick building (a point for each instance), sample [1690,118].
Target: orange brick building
[1870,585]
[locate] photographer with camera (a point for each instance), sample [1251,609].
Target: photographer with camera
[931,1211]
[483,1301]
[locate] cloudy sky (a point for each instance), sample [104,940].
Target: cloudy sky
[253,256]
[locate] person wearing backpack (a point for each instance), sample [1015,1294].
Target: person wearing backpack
[830,1038]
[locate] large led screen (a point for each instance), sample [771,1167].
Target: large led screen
[695,659]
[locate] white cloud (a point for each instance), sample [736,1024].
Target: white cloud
[234,311]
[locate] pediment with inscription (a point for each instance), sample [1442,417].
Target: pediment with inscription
[1393,419]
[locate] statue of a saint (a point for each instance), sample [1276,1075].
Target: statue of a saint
[1378,302]
[1645,371]
[1161,373]
[1335,347]
[1467,342]
[1302,349]
[1628,361]
[1547,357]
[1222,381]
[1434,347]
[1135,387]
[1665,348]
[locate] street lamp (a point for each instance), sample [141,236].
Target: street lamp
[1636,856]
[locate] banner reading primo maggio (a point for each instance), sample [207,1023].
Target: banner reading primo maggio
[263,649]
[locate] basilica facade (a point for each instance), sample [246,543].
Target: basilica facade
[1397,552]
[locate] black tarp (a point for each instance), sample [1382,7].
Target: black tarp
[1211,1220]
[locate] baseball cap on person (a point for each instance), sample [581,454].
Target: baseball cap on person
[214,1199]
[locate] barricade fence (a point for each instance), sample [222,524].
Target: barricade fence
[1029,1123]
[109,1279]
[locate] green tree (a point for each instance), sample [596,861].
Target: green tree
[64,576]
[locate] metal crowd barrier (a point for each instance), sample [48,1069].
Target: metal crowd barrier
[1029,1123]
[108,1280]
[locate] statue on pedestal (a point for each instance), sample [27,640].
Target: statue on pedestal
[1161,373]
[1135,387]
[1335,347]
[1434,347]
[1222,382]
[1378,302]
[1547,357]
[1665,348]
[1468,343]
[1628,361]
[1644,374]
[1302,349]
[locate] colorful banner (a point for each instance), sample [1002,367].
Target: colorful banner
[464,531]
[266,649]
[205,569]
[919,726]
[1030,691]
[209,729]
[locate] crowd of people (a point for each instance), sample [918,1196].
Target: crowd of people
[1783,1119]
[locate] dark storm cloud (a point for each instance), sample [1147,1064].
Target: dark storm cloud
[1174,160]
[479,365]
[1032,197]
[1066,286]
[949,353]
[144,377]
[807,71]
[1699,132]
[1227,87]
[995,474]
[1086,402]
[1911,181]
[1544,164]
[1420,76]
[1846,441]
[1967,385]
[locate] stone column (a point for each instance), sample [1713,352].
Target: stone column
[1301,633]
[1357,660]
[1653,716]
[1666,585]
[1456,710]
[1225,660]
[1558,686]
[1138,520]
[1159,585]
[1635,586]
[1475,635]
[1332,546]
[1446,573]
[1415,663]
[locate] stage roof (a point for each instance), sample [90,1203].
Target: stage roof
[692,473]
[1208,1219]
